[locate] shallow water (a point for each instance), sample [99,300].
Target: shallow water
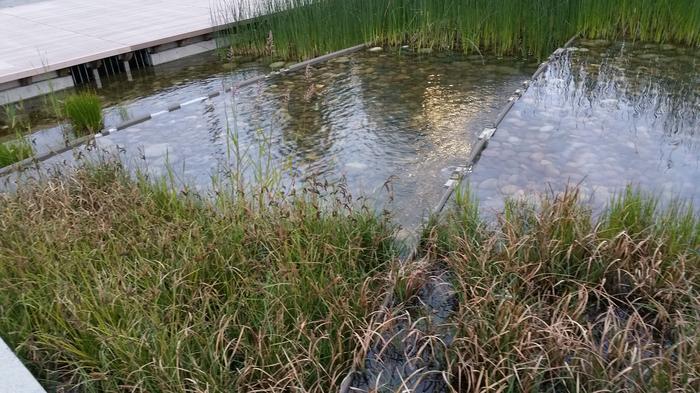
[151,90]
[389,126]
[605,116]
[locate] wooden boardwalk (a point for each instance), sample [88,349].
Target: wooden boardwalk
[50,35]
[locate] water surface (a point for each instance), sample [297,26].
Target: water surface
[603,116]
[389,126]
[151,90]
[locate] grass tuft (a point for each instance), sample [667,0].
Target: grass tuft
[84,110]
[551,299]
[112,282]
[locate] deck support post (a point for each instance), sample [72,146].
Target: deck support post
[127,69]
[95,72]
[96,75]
[125,59]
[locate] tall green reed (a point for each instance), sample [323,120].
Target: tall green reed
[304,28]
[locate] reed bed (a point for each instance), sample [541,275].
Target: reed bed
[552,300]
[114,284]
[306,28]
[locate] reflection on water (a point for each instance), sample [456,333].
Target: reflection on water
[390,126]
[605,116]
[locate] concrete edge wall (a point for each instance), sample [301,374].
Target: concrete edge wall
[50,82]
[182,52]
[14,377]
[17,94]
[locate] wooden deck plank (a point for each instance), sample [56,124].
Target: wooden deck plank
[54,34]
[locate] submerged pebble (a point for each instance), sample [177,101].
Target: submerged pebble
[356,166]
[277,65]
[509,189]
[488,184]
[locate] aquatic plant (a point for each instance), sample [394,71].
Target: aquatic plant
[111,282]
[52,108]
[14,151]
[84,110]
[305,28]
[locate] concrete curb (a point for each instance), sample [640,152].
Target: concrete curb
[14,377]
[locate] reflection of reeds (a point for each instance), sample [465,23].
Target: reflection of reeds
[661,93]
[303,28]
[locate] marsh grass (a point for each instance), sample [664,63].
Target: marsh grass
[551,299]
[305,28]
[14,151]
[113,284]
[84,111]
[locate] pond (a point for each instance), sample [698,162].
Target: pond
[389,125]
[605,115]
